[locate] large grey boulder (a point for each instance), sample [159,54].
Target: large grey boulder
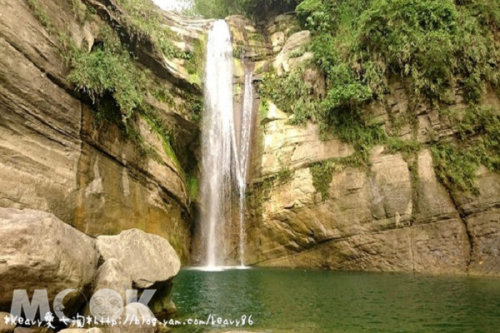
[38,251]
[147,258]
[135,318]
[111,275]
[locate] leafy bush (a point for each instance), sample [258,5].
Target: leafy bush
[291,93]
[360,45]
[109,69]
[144,19]
[322,175]
[478,143]
[434,43]
[455,167]
[481,126]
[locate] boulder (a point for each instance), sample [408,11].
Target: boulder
[111,275]
[146,321]
[24,330]
[41,252]
[161,304]
[149,261]
[6,327]
[147,258]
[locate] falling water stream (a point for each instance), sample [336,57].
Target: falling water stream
[224,160]
[244,154]
[217,142]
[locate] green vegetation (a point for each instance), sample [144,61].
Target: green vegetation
[40,15]
[195,64]
[433,46]
[109,70]
[433,43]
[481,126]
[263,108]
[322,172]
[250,8]
[291,93]
[112,78]
[455,167]
[79,10]
[193,106]
[144,21]
[193,187]
[359,45]
[478,144]
[284,175]
[297,53]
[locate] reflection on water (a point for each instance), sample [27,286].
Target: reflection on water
[322,301]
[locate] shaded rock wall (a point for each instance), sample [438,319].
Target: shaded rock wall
[55,157]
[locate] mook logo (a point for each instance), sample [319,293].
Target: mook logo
[105,304]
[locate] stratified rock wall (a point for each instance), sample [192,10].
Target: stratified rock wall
[393,215]
[55,157]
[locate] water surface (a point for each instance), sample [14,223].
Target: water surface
[324,301]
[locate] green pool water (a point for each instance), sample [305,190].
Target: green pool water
[322,301]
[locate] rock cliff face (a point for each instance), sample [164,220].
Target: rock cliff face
[392,215]
[55,156]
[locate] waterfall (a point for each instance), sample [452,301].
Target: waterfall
[244,156]
[218,142]
[225,160]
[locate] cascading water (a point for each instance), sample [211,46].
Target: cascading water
[244,154]
[218,141]
[224,163]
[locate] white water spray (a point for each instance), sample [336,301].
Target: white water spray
[223,162]
[217,142]
[244,155]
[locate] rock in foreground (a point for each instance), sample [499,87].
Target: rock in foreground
[147,258]
[39,251]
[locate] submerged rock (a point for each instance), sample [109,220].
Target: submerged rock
[41,252]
